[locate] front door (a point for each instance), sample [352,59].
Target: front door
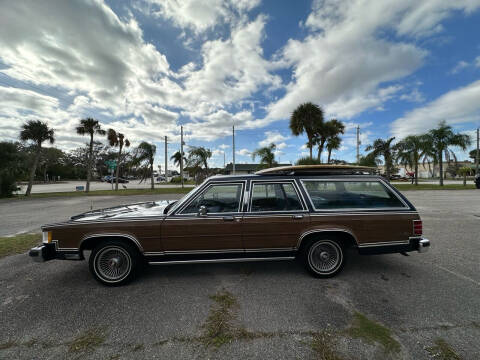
[209,224]
[275,219]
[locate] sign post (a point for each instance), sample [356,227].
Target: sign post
[112,164]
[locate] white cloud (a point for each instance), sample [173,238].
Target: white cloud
[459,67]
[413,96]
[345,61]
[200,15]
[243,152]
[458,106]
[273,137]
[477,61]
[224,146]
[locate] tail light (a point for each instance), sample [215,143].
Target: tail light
[417,227]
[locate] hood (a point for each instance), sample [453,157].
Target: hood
[145,209]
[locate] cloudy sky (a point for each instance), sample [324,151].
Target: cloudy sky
[146,67]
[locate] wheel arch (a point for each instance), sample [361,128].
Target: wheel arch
[345,235]
[89,241]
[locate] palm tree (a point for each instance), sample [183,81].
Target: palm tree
[440,139]
[306,118]
[117,139]
[37,132]
[177,158]
[266,155]
[410,150]
[464,171]
[198,157]
[146,154]
[333,143]
[327,130]
[383,148]
[90,126]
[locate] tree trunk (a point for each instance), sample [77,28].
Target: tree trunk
[387,168]
[440,164]
[89,169]
[310,148]
[117,170]
[32,171]
[416,172]
[464,179]
[320,150]
[329,154]
[151,176]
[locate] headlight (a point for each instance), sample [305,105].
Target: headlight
[47,237]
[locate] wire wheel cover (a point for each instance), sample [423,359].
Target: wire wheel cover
[113,263]
[325,256]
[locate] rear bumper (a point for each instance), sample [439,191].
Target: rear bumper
[44,252]
[414,244]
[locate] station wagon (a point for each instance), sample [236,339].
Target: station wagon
[310,213]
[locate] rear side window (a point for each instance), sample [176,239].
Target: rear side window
[275,197]
[327,195]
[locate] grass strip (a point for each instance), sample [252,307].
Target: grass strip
[18,244]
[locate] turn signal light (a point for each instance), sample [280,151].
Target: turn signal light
[47,237]
[417,227]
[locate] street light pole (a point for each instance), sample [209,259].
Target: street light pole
[166,160]
[181,154]
[477,157]
[233,148]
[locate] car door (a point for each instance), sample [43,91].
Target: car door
[218,231]
[276,217]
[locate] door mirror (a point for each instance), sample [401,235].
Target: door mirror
[202,211]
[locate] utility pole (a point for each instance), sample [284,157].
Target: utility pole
[166,160]
[224,158]
[478,152]
[181,154]
[358,144]
[233,148]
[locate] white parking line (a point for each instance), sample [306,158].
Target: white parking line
[457,274]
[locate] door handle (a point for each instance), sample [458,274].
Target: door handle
[297,217]
[228,218]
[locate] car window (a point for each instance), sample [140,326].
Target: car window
[217,199]
[350,195]
[275,197]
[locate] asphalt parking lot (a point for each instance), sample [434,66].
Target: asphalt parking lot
[379,307]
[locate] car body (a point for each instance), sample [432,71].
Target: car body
[477,181]
[114,179]
[312,213]
[161,178]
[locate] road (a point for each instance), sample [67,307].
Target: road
[65,186]
[275,310]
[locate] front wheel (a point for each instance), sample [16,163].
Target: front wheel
[113,262]
[324,258]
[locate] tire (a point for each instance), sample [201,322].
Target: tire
[114,262]
[324,258]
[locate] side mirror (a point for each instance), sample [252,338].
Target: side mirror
[202,211]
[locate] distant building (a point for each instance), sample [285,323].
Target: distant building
[243,169]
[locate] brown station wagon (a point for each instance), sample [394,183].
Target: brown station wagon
[311,213]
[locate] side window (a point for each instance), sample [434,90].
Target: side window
[217,199]
[350,195]
[274,197]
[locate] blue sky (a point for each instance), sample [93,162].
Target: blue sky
[146,67]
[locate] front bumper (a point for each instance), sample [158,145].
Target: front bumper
[43,252]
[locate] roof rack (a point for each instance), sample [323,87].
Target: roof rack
[319,169]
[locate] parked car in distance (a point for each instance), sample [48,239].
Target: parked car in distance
[310,213]
[120,180]
[477,181]
[161,178]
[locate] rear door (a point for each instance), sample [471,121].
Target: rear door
[276,216]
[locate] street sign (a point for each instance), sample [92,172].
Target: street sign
[112,164]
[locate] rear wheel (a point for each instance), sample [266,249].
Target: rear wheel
[113,262]
[324,258]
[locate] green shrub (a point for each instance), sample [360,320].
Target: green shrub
[307,161]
